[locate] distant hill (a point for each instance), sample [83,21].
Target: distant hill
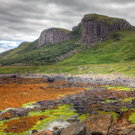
[96,39]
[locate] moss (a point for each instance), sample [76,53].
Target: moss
[83,116]
[113,113]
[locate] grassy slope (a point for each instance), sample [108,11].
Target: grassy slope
[110,51]
[30,53]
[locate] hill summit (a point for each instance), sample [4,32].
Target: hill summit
[56,44]
[95,28]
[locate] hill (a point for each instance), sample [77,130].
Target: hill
[96,39]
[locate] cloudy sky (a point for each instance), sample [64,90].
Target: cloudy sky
[23,20]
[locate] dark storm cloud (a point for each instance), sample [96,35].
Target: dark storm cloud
[23,20]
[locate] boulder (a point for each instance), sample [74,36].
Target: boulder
[119,122]
[98,124]
[127,130]
[76,128]
[50,79]
[13,76]
[44,132]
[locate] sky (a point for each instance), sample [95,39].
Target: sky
[24,20]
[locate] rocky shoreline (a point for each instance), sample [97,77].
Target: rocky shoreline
[108,79]
[90,101]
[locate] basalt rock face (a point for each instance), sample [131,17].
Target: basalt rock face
[52,35]
[97,28]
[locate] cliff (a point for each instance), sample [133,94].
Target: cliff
[96,28]
[53,35]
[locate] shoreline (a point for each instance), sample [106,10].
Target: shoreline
[106,79]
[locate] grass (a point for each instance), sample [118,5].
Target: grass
[63,30]
[30,54]
[124,69]
[96,18]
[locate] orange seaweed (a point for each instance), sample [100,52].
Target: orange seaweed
[22,124]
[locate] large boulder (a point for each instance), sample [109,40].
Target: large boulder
[98,124]
[127,130]
[76,128]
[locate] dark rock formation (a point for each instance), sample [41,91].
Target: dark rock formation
[53,35]
[96,28]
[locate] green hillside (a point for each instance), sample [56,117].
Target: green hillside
[29,53]
[118,49]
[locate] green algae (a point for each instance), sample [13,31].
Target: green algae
[29,104]
[83,116]
[63,112]
[118,88]
[113,113]
[108,101]
[132,118]
[124,109]
[128,100]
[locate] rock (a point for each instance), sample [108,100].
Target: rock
[13,76]
[52,35]
[127,130]
[44,132]
[50,79]
[34,131]
[98,124]
[55,128]
[119,122]
[57,132]
[76,128]
[95,29]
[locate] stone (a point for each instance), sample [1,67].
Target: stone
[126,130]
[34,131]
[98,124]
[57,132]
[44,132]
[119,122]
[50,79]
[76,128]
[13,76]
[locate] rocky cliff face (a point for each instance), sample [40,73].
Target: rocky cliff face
[96,28]
[53,35]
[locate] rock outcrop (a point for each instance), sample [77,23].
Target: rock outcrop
[53,35]
[96,28]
